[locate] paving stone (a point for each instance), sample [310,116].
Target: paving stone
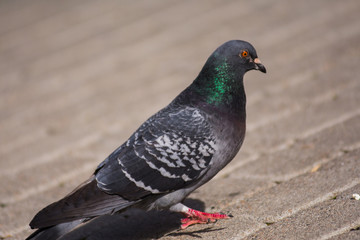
[353,234]
[312,223]
[305,153]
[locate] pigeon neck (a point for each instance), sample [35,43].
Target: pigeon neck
[221,87]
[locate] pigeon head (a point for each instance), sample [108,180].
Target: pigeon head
[221,79]
[239,56]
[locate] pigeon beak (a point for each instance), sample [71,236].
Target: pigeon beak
[259,66]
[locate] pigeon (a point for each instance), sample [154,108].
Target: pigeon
[171,154]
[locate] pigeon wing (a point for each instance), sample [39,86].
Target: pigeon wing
[171,150]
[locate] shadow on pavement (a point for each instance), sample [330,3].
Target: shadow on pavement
[135,224]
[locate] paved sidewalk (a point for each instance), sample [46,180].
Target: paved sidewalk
[78,77]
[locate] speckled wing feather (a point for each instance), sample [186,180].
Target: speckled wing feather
[171,150]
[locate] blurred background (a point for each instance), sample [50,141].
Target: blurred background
[78,77]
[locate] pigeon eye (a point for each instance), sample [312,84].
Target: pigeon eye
[244,54]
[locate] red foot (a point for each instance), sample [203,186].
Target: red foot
[195,217]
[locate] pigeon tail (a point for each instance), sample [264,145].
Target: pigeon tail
[87,201]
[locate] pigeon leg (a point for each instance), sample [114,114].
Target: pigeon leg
[196,217]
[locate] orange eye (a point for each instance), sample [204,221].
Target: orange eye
[244,53]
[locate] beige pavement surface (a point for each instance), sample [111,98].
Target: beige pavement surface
[78,77]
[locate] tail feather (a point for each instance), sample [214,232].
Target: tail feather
[87,201]
[54,232]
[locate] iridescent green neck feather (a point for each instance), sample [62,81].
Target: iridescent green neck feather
[223,81]
[221,84]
